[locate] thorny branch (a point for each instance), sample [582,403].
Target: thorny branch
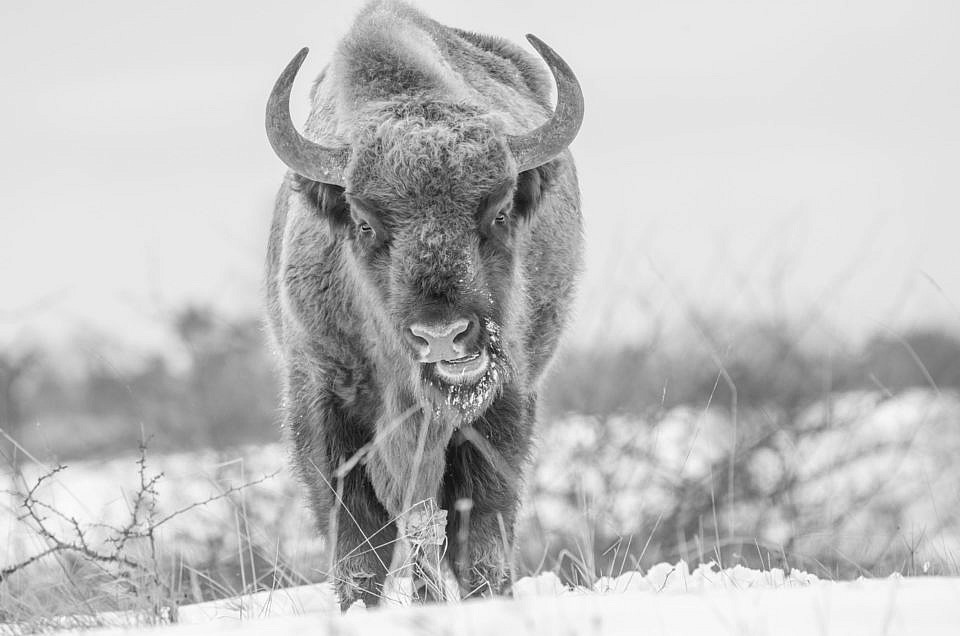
[141,524]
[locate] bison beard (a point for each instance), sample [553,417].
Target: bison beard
[421,263]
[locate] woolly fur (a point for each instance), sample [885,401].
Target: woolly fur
[425,109]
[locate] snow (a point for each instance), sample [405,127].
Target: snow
[306,599]
[97,493]
[667,599]
[877,455]
[866,470]
[884,471]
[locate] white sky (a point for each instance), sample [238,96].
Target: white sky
[744,157]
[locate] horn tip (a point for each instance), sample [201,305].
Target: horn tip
[542,47]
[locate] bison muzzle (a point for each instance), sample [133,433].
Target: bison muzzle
[421,266]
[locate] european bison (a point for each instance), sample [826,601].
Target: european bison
[421,266]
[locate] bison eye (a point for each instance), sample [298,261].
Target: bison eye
[500,219]
[365,229]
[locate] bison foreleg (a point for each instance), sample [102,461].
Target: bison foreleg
[482,546]
[481,527]
[361,533]
[365,542]
[406,467]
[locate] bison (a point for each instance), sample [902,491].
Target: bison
[421,266]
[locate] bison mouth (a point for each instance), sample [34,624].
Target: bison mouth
[467,384]
[467,369]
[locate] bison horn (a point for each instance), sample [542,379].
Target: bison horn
[306,158]
[327,165]
[549,140]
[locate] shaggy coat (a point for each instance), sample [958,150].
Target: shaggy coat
[435,222]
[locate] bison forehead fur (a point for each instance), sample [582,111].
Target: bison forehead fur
[427,153]
[415,306]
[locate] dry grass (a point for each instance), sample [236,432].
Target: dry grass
[749,394]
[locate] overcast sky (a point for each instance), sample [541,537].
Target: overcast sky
[738,157]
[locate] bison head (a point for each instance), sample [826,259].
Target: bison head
[432,199]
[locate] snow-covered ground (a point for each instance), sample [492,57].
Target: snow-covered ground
[668,599]
[98,493]
[878,474]
[862,475]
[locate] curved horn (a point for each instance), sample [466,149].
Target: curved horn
[549,140]
[304,157]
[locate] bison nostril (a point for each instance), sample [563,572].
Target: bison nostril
[468,335]
[419,343]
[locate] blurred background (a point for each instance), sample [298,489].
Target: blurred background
[765,360]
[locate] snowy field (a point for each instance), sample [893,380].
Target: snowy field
[873,481]
[851,475]
[669,599]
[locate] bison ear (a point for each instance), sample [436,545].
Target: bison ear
[531,186]
[334,206]
[327,201]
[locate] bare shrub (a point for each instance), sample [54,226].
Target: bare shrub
[81,573]
[752,449]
